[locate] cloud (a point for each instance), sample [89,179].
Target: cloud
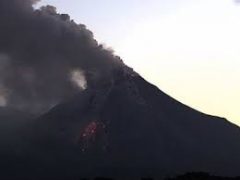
[42,52]
[237,1]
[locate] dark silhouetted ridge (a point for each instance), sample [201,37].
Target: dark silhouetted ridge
[131,128]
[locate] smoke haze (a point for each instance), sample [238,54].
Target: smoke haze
[45,57]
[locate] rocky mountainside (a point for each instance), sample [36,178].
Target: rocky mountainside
[128,128]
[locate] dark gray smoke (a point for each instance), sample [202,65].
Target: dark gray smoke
[44,56]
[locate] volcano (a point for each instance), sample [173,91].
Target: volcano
[73,109]
[126,128]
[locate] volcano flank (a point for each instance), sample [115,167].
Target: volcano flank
[128,128]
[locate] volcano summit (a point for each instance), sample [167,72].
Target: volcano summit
[125,129]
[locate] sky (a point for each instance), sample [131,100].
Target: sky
[190,49]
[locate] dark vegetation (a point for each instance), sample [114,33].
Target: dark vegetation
[201,176]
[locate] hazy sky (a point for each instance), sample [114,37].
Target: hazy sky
[188,48]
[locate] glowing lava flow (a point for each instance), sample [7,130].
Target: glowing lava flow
[88,134]
[90,130]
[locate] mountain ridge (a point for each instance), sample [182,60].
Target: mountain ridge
[127,127]
[137,126]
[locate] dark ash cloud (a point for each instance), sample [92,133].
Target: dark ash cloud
[40,50]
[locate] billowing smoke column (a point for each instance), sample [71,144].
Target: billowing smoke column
[45,57]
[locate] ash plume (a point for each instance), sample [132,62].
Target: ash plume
[42,53]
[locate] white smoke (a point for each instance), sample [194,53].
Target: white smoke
[3,96]
[78,78]
[3,101]
[4,64]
